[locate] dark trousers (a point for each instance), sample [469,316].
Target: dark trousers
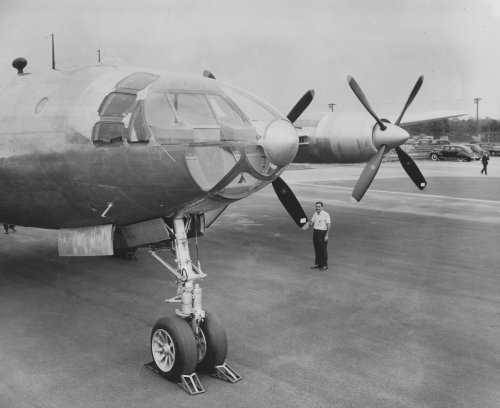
[320,250]
[485,168]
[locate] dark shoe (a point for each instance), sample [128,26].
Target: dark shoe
[315,267]
[324,268]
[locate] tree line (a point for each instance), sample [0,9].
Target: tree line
[458,130]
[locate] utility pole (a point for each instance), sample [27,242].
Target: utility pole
[476,101]
[53,53]
[331,105]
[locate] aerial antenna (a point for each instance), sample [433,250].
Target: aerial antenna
[53,53]
[99,56]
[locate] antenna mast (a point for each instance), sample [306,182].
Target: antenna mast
[53,53]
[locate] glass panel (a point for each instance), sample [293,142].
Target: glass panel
[208,165]
[158,111]
[254,109]
[137,81]
[117,104]
[226,114]
[107,132]
[258,160]
[193,109]
[138,131]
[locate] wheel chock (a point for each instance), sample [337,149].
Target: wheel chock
[191,384]
[226,373]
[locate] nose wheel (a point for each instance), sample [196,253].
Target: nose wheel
[193,341]
[213,348]
[173,348]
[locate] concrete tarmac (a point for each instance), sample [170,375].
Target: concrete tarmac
[407,315]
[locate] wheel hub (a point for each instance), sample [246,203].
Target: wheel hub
[163,350]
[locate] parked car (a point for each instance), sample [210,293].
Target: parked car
[476,149]
[453,152]
[440,142]
[493,150]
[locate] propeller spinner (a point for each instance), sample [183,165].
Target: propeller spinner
[386,136]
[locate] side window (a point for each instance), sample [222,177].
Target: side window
[116,104]
[226,114]
[192,109]
[107,132]
[159,112]
[138,131]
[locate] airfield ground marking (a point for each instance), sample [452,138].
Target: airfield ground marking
[402,193]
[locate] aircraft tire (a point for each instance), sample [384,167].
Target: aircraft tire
[173,348]
[215,342]
[434,157]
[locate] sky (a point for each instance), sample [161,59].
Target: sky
[278,49]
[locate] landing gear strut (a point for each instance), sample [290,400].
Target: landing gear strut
[193,340]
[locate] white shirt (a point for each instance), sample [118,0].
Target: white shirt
[320,220]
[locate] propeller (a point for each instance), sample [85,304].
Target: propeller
[282,190]
[414,93]
[290,202]
[301,106]
[364,101]
[368,174]
[386,136]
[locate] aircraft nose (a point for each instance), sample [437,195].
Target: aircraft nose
[281,142]
[392,136]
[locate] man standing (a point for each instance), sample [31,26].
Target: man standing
[320,221]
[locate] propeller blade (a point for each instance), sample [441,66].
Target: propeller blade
[362,98]
[368,174]
[413,93]
[290,202]
[208,74]
[411,168]
[301,106]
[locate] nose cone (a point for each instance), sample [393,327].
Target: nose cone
[393,136]
[281,142]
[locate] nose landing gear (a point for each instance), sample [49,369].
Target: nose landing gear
[193,340]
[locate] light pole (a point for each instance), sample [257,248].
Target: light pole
[476,101]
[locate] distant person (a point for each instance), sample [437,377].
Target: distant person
[6,227]
[485,160]
[320,221]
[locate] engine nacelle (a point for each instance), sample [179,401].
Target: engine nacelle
[339,137]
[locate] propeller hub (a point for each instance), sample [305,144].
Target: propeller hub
[281,142]
[393,136]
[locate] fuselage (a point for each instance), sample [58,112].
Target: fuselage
[115,145]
